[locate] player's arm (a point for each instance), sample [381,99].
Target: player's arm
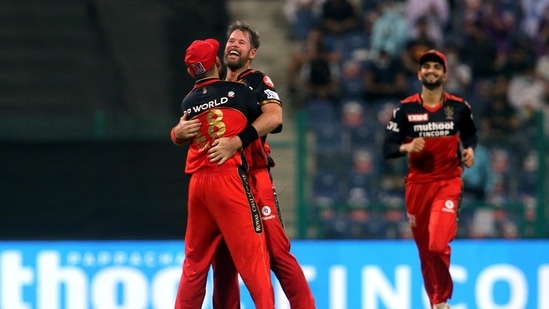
[185,130]
[468,136]
[271,106]
[394,135]
[223,148]
[268,121]
[467,129]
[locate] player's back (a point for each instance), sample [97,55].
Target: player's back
[224,109]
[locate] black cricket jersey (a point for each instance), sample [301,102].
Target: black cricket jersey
[264,88]
[443,128]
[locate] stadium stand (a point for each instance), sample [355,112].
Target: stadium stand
[505,98]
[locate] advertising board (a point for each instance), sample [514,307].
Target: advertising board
[342,275]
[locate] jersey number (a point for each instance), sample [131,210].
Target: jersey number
[216,128]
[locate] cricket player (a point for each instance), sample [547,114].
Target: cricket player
[240,50]
[436,131]
[221,203]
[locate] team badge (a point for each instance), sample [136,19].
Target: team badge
[449,112]
[198,68]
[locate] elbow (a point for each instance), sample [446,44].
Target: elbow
[391,152]
[277,129]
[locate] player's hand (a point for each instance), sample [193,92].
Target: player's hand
[223,148]
[187,129]
[468,157]
[416,145]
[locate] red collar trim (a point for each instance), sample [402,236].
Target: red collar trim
[244,73]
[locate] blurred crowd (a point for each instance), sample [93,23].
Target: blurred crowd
[358,58]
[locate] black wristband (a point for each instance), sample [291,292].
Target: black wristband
[248,135]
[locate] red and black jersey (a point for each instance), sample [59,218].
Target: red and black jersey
[443,127]
[258,152]
[262,85]
[224,109]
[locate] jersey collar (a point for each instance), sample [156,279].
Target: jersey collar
[205,81]
[244,73]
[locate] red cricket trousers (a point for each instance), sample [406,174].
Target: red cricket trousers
[283,263]
[221,206]
[432,211]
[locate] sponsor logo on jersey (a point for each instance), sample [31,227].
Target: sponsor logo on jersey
[267,213]
[207,105]
[256,216]
[267,81]
[393,126]
[449,206]
[418,117]
[271,94]
[230,94]
[434,129]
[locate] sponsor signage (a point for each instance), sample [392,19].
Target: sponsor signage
[342,275]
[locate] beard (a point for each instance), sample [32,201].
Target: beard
[235,65]
[431,85]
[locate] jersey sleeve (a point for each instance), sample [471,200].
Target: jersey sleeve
[267,91]
[394,134]
[267,94]
[467,128]
[251,99]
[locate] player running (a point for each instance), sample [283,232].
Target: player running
[429,127]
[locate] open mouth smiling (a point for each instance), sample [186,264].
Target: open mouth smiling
[233,53]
